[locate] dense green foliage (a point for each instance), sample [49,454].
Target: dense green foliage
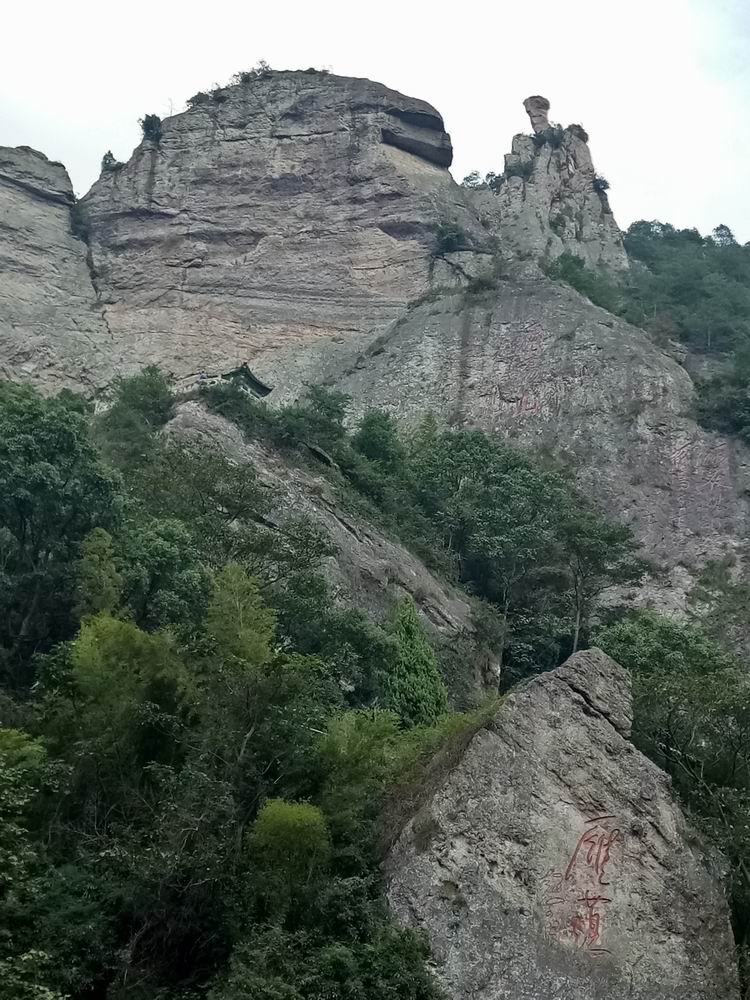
[724,399]
[691,286]
[184,807]
[413,687]
[514,533]
[54,489]
[199,742]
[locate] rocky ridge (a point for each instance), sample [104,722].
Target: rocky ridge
[551,862]
[307,223]
[283,221]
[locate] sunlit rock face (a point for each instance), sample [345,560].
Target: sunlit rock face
[552,862]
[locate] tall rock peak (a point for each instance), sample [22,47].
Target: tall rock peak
[551,200]
[537,108]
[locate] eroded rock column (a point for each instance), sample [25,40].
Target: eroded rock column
[537,109]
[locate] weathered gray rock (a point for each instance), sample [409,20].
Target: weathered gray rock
[538,364]
[293,222]
[51,331]
[552,863]
[537,109]
[551,200]
[279,222]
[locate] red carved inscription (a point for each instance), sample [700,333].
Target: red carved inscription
[577,898]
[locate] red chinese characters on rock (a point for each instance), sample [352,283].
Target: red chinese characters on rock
[578,897]
[586,923]
[594,849]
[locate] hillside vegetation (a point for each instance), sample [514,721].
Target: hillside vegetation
[198,742]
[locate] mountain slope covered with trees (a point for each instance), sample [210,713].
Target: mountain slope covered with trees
[199,744]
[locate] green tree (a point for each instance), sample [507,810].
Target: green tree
[290,843]
[24,969]
[413,687]
[98,582]
[131,692]
[597,554]
[318,418]
[378,439]
[151,127]
[702,284]
[724,399]
[648,644]
[221,502]
[164,580]
[692,716]
[53,490]
[141,405]
[273,964]
[238,619]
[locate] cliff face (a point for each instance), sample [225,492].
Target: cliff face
[280,221]
[551,863]
[50,328]
[297,220]
[308,224]
[554,205]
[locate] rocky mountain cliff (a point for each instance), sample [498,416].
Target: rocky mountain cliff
[551,862]
[51,327]
[284,220]
[308,224]
[297,220]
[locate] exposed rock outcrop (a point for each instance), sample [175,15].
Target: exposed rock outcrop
[280,221]
[51,331]
[552,863]
[537,109]
[551,199]
[295,222]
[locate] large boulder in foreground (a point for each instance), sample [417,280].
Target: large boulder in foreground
[553,863]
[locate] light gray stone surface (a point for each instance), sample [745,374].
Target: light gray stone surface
[280,225]
[292,222]
[554,207]
[51,331]
[537,108]
[552,863]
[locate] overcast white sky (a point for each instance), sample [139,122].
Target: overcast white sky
[662,86]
